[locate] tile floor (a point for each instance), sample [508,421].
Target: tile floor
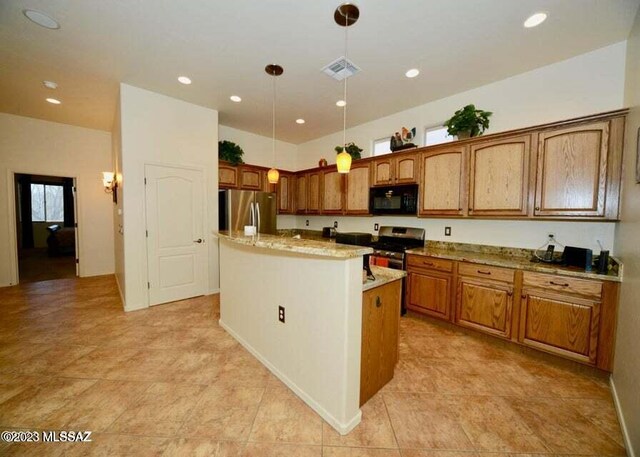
[169,381]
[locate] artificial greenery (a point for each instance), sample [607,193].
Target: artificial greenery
[230,152]
[468,119]
[353,150]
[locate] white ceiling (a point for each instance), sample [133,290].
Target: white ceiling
[224,47]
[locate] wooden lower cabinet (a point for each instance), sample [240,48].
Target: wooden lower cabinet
[379,352]
[429,292]
[485,305]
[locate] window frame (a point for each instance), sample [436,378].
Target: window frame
[44,201]
[380,140]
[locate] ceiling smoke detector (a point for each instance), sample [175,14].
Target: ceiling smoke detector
[341,68]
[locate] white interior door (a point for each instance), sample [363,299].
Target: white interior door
[176,249]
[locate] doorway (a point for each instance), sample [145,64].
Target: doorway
[46,228]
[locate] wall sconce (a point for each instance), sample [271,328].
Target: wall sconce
[110,184]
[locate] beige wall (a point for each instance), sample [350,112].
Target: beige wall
[258,149]
[161,130]
[626,372]
[47,148]
[586,84]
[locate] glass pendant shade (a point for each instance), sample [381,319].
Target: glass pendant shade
[273,175]
[343,160]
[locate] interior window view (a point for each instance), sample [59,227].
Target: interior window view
[320,229]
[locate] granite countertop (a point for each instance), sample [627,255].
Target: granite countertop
[383,276]
[299,245]
[510,258]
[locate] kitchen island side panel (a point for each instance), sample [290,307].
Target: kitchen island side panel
[316,352]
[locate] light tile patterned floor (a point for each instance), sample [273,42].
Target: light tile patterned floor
[169,381]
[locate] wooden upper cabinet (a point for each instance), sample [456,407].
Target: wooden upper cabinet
[499,177]
[227,176]
[357,194]
[251,178]
[313,192]
[443,182]
[389,170]
[383,172]
[301,193]
[406,169]
[332,195]
[285,191]
[572,171]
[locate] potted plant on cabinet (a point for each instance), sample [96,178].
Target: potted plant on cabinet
[230,152]
[468,122]
[352,149]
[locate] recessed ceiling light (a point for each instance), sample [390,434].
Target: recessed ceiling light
[41,19]
[54,101]
[412,73]
[341,103]
[184,80]
[50,84]
[235,98]
[300,121]
[535,20]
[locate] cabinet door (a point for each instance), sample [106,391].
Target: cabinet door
[572,171]
[250,178]
[443,182]
[499,177]
[485,306]
[560,324]
[227,176]
[313,193]
[383,171]
[285,192]
[332,195]
[379,350]
[301,194]
[405,170]
[430,293]
[357,195]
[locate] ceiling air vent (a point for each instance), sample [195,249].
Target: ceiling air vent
[341,68]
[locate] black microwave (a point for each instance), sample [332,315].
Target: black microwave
[394,200]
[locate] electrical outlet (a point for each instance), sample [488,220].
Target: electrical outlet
[447,231]
[281,314]
[376,227]
[335,224]
[307,223]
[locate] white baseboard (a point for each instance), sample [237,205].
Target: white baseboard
[120,292]
[342,428]
[623,424]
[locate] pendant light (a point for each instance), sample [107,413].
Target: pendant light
[274,70]
[345,15]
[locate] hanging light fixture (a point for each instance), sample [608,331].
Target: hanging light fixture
[345,15]
[274,70]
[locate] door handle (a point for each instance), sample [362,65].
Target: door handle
[199,241]
[258,216]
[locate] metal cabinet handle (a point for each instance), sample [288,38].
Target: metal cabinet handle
[509,293]
[429,264]
[483,272]
[523,296]
[199,240]
[378,302]
[537,208]
[558,284]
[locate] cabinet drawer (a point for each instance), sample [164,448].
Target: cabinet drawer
[563,284]
[432,263]
[484,271]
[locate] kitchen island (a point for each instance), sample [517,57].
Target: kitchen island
[296,305]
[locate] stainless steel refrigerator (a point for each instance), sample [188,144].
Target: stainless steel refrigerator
[238,208]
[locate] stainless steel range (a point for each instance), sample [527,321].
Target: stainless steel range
[389,250]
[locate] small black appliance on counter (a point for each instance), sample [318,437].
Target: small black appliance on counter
[329,232]
[354,238]
[578,257]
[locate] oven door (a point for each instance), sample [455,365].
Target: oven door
[383,261]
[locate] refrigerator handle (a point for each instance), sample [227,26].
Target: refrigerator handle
[258,216]
[251,214]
